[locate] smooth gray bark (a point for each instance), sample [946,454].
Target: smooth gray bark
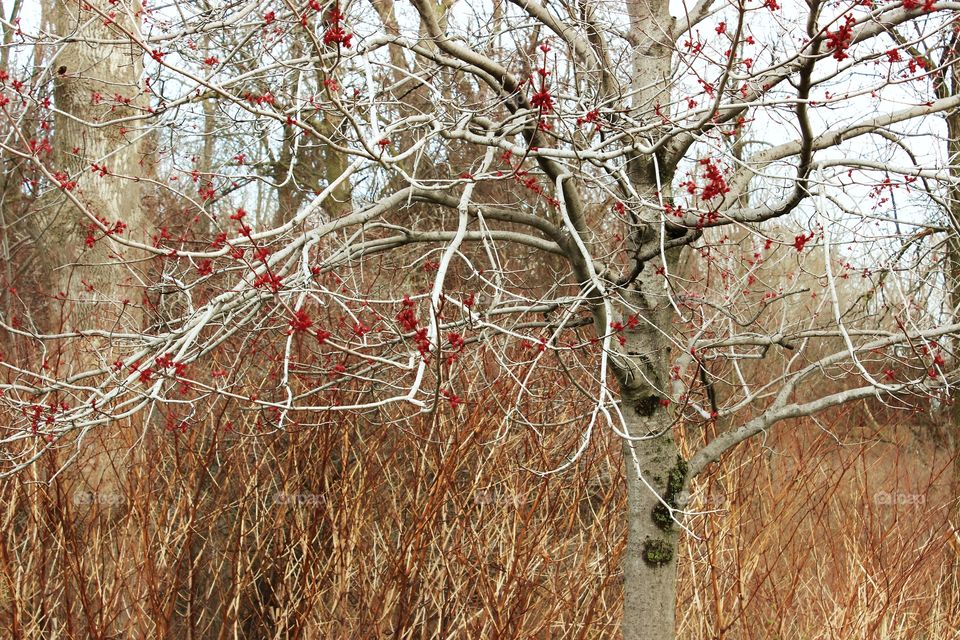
[655,475]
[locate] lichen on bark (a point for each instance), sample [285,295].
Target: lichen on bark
[657,552]
[662,513]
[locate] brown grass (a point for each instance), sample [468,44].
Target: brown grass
[433,528]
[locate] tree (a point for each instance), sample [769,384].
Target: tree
[99,161]
[638,201]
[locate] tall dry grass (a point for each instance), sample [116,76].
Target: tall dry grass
[433,527]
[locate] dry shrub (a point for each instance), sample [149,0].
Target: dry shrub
[828,529]
[433,527]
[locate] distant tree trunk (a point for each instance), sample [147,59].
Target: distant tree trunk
[953,289]
[103,153]
[96,83]
[948,85]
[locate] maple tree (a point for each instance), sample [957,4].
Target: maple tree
[716,216]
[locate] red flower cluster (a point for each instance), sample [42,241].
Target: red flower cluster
[42,146]
[266,98]
[593,116]
[457,342]
[406,316]
[360,329]
[542,100]
[839,40]
[716,184]
[268,280]
[335,33]
[452,398]
[618,328]
[801,241]
[408,321]
[523,177]
[300,322]
[63,179]
[423,343]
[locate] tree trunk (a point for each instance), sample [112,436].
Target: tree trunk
[655,474]
[101,152]
[953,295]
[650,562]
[96,83]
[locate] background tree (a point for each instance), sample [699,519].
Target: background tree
[390,210]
